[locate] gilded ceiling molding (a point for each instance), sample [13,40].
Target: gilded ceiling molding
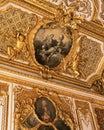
[92,29]
[43,11]
[37,6]
[21,32]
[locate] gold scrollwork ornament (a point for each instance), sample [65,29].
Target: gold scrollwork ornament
[65,23]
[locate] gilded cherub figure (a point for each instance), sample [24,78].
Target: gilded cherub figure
[14,51]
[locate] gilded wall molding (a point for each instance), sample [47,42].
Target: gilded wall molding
[3,105]
[24,103]
[27,110]
[35,82]
[85,118]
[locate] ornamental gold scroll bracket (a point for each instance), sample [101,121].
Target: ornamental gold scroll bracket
[29,113]
[53,41]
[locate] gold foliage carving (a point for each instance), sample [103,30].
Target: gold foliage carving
[69,21]
[72,66]
[25,108]
[81,6]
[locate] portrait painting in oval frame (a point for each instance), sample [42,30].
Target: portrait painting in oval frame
[45,110]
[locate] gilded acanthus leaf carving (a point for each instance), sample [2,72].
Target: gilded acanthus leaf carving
[80,6]
[68,17]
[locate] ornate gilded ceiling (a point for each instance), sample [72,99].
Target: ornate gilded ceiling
[57,39]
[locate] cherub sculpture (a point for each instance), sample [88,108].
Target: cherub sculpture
[14,51]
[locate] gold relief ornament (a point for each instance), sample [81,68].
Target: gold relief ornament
[68,17]
[13,52]
[81,6]
[20,50]
[52,39]
[71,67]
[27,110]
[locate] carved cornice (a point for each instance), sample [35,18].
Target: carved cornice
[46,10]
[93,29]
[33,82]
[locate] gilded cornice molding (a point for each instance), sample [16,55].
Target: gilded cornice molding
[93,29]
[68,90]
[46,10]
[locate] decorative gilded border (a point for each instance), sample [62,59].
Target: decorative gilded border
[4,103]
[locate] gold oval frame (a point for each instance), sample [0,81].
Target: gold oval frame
[74,48]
